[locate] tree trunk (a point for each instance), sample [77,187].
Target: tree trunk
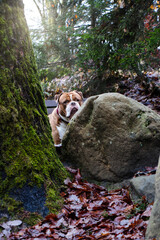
[27,154]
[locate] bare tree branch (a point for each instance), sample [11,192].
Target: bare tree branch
[40,12]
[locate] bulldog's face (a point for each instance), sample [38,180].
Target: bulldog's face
[69,103]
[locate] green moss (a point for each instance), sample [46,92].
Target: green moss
[2,20]
[2,220]
[11,205]
[4,113]
[27,151]
[56,205]
[31,218]
[8,9]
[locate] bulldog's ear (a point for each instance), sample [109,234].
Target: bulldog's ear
[80,93]
[57,96]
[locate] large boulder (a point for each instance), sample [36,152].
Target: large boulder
[153,229]
[112,137]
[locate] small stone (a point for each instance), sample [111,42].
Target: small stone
[144,186]
[14,223]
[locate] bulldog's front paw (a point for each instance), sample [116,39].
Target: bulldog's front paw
[58,145]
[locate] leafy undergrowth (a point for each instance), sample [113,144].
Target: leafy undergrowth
[145,90]
[91,212]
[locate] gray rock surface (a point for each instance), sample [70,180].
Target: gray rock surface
[138,187]
[153,229]
[112,137]
[144,186]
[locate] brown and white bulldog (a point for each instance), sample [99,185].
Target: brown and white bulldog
[68,104]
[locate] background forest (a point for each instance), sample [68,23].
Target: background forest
[92,45]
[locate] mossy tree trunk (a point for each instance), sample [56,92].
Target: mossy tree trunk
[27,154]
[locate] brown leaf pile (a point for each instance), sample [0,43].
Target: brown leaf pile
[91,212]
[145,90]
[148,171]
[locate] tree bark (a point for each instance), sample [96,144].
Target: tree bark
[27,154]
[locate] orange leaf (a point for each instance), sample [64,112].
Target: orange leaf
[152,7]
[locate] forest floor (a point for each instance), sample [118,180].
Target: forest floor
[91,211]
[145,90]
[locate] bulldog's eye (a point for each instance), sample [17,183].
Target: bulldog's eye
[65,102]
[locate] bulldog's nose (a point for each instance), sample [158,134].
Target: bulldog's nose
[73,103]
